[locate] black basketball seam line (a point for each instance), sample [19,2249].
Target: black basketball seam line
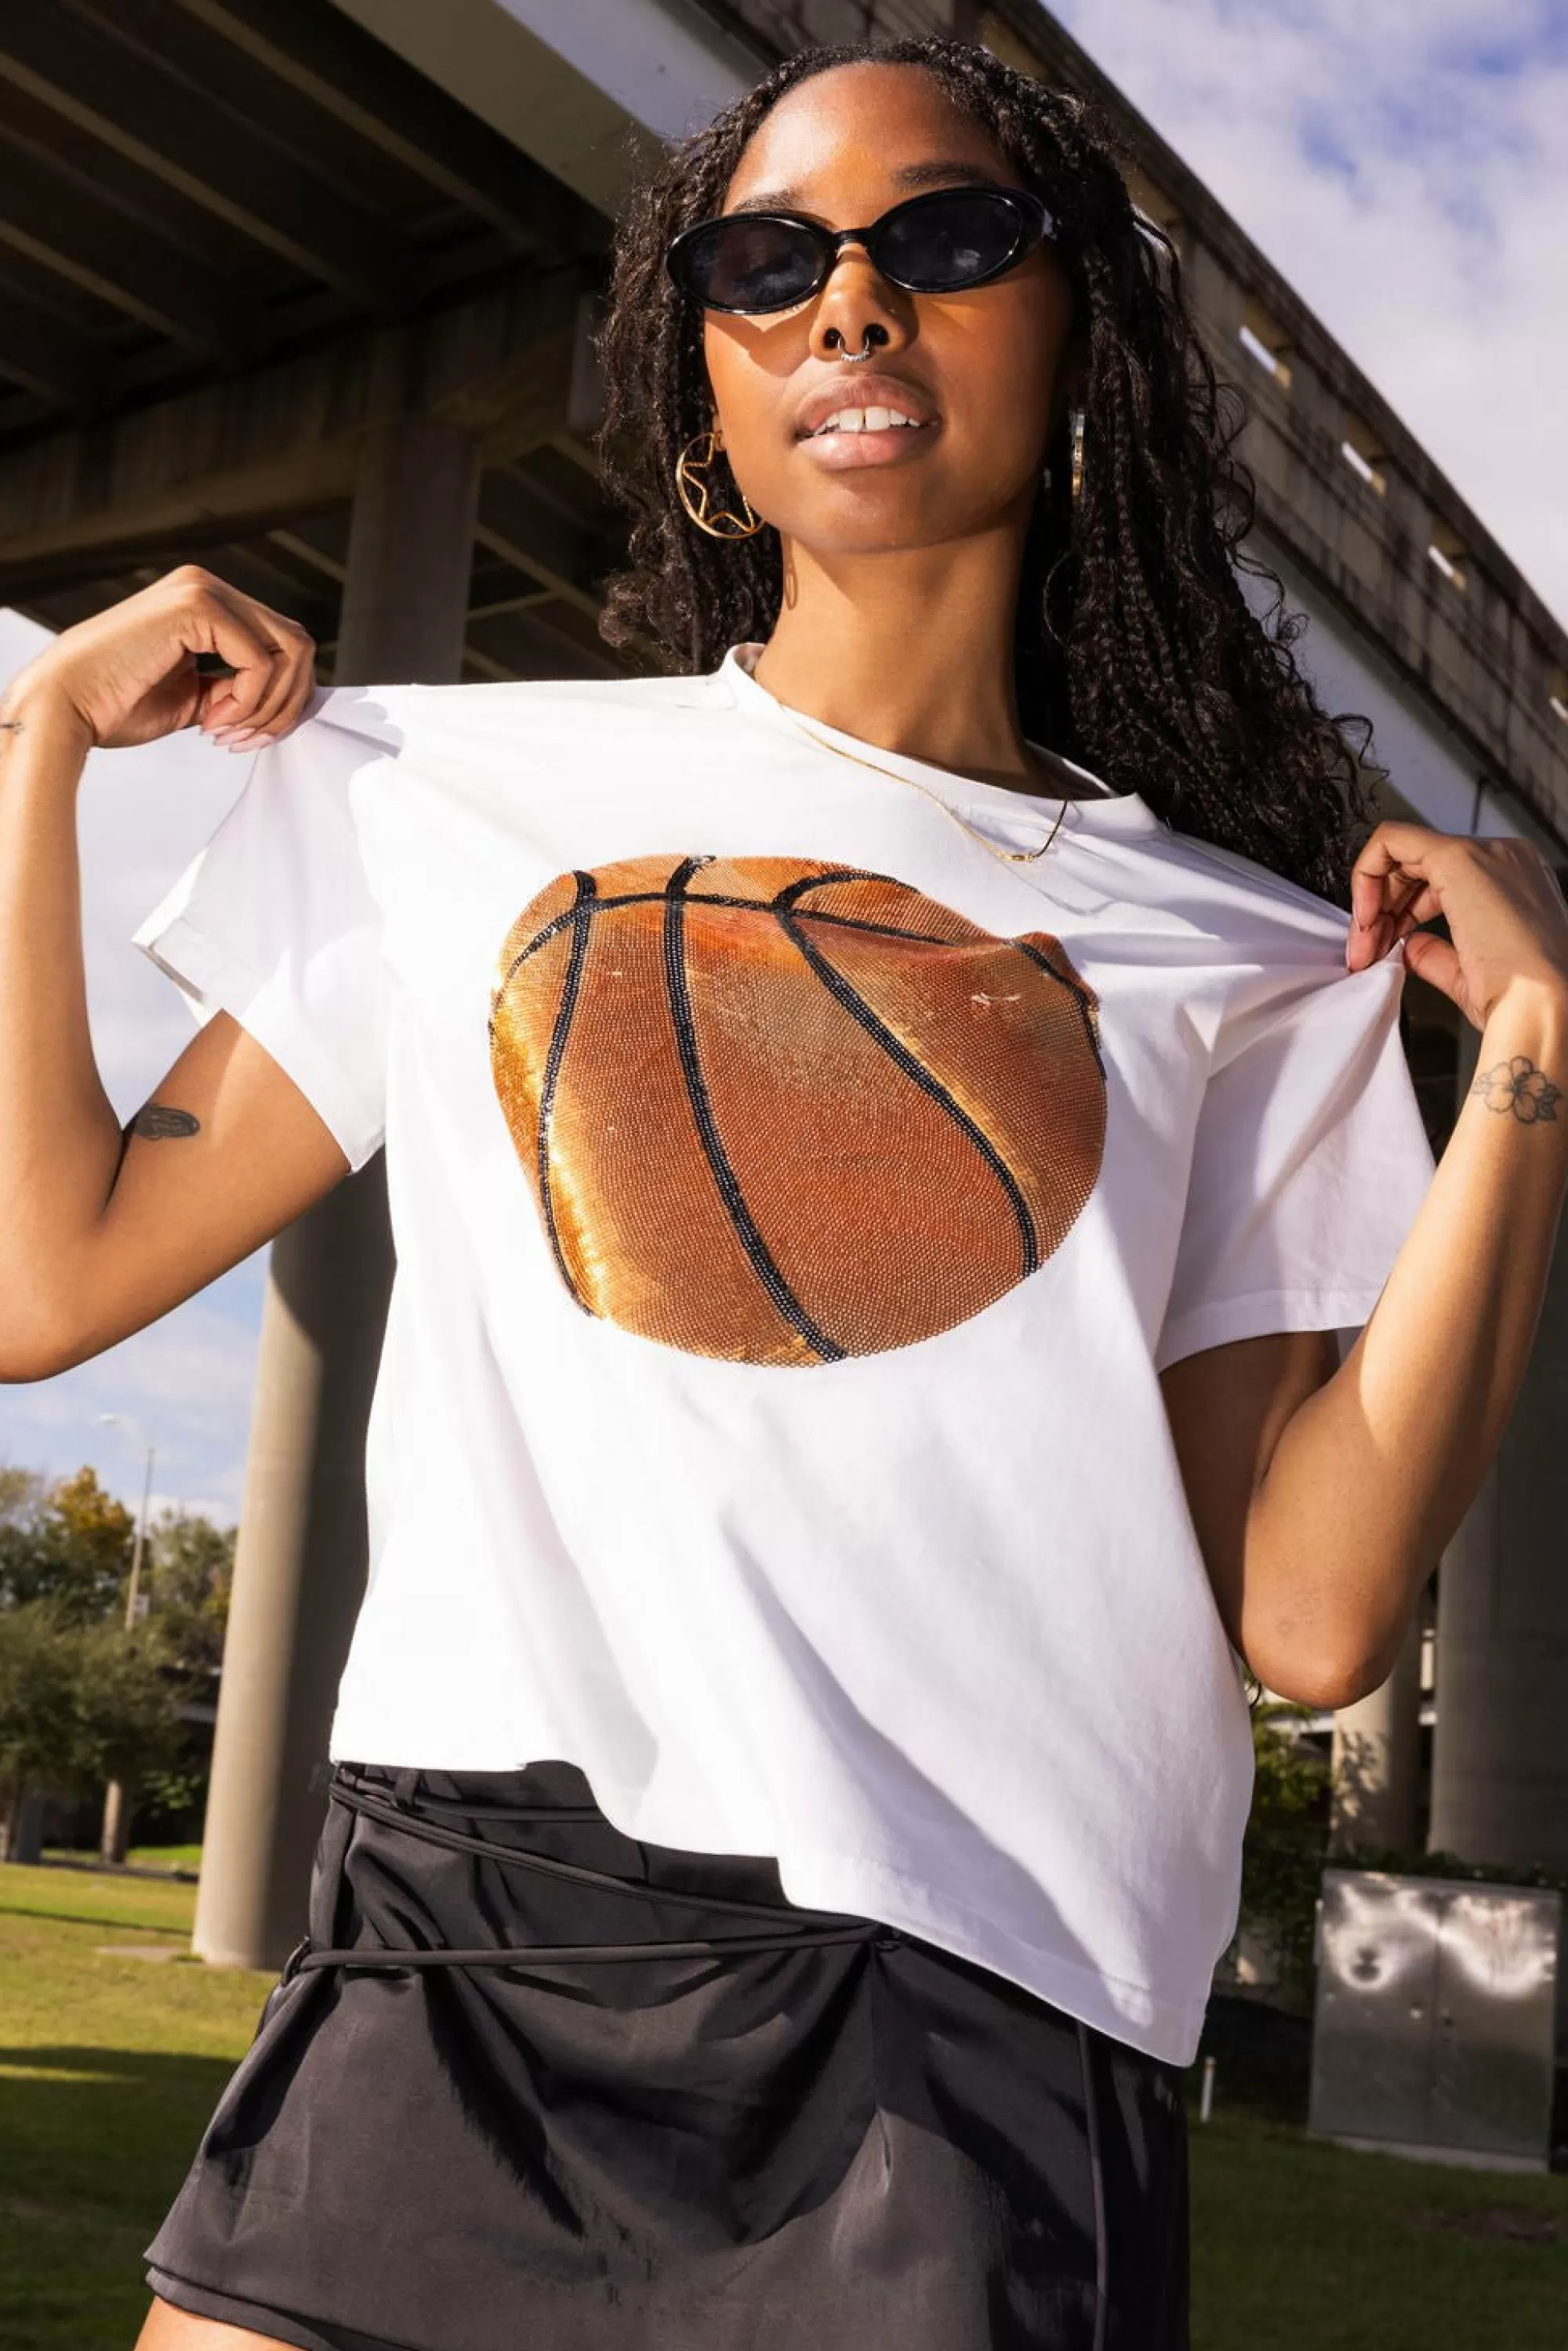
[845,993]
[754,906]
[731,1197]
[790,891]
[581,912]
[1087,1010]
[570,988]
[777,1289]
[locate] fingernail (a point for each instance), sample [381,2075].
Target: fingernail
[238,736]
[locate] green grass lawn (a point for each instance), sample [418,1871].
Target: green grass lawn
[108,2068]
[1298,2246]
[166,1857]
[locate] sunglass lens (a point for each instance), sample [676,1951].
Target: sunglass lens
[939,243]
[751,264]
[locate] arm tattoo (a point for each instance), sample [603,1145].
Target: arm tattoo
[157,1123]
[1518,1089]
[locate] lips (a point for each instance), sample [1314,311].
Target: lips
[861,392]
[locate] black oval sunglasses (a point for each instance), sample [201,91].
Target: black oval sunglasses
[937,243]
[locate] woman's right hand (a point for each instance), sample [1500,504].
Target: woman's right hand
[130,675]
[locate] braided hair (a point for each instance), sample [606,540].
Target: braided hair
[1135,652]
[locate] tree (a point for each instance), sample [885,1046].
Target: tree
[38,1708]
[68,1542]
[80,1704]
[188,1574]
[81,1700]
[19,1491]
[1287,1836]
[127,1705]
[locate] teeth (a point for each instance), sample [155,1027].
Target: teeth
[863,420]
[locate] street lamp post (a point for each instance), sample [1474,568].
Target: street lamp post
[116,1832]
[133,1591]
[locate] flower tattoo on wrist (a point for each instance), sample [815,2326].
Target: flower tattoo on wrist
[1519,1087]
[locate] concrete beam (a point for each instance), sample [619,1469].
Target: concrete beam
[98,246]
[47,357]
[592,92]
[145,115]
[518,525]
[1485,686]
[249,454]
[532,643]
[408,114]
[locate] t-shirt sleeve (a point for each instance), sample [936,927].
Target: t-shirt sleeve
[1310,1163]
[274,923]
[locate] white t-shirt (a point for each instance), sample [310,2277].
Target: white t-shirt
[794,1205]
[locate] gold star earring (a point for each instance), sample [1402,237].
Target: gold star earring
[693,490]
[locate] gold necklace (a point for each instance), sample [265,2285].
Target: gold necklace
[1006,856]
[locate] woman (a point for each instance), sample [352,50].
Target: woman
[883,1124]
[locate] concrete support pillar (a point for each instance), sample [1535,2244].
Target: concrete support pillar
[1500,1778]
[1377,1759]
[300,1566]
[411,550]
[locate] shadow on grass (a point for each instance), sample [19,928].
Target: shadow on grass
[94,1866]
[93,2145]
[98,1919]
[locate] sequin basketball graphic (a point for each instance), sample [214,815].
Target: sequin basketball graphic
[783,1112]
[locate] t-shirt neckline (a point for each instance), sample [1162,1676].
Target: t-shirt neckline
[1107,811]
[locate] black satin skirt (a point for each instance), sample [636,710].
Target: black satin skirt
[531,2085]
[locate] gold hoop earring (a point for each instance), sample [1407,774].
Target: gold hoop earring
[718,522]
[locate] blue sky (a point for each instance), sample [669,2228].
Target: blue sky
[1405,164]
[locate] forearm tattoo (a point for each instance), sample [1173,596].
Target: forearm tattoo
[1518,1089]
[158,1123]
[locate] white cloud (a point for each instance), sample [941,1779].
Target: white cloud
[187,1379]
[1406,166]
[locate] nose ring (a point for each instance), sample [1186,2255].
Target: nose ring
[853,358]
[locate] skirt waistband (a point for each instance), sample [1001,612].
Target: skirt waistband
[793,1924]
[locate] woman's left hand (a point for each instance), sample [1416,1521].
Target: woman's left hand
[1506,918]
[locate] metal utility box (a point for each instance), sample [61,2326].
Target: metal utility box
[1434,2034]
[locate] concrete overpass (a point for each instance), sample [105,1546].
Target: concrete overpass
[301,290]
